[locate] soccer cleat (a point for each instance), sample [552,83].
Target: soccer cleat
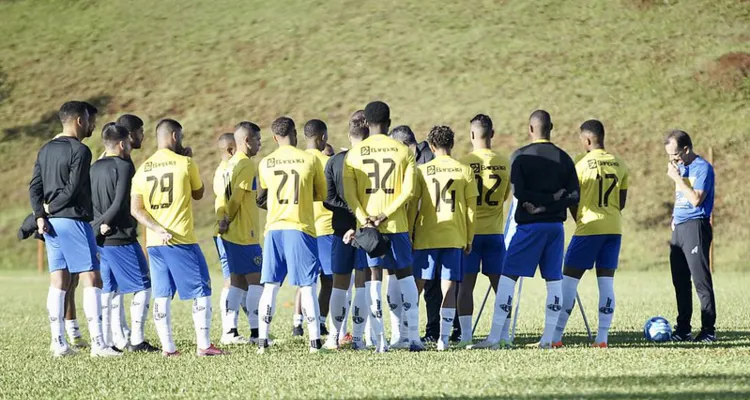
[682,336]
[545,345]
[105,352]
[705,337]
[262,345]
[485,344]
[80,343]
[455,336]
[66,351]
[323,330]
[358,344]
[298,331]
[381,346]
[347,339]
[416,346]
[429,339]
[210,351]
[168,354]
[505,344]
[600,345]
[143,347]
[402,344]
[464,344]
[442,345]
[556,345]
[233,338]
[332,343]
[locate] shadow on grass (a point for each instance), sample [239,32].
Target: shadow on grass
[634,339]
[48,124]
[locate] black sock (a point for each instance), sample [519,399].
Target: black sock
[254,333]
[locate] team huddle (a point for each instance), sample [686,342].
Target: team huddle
[387,206]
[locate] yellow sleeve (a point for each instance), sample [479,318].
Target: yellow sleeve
[320,190]
[136,184]
[625,177]
[470,191]
[195,176]
[350,192]
[413,208]
[471,209]
[407,186]
[242,180]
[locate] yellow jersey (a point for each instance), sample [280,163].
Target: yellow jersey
[221,183]
[166,181]
[294,180]
[379,177]
[241,209]
[492,176]
[323,216]
[445,195]
[602,176]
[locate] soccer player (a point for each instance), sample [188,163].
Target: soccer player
[134,125]
[123,265]
[692,234]
[239,227]
[604,188]
[60,194]
[444,204]
[344,257]
[492,176]
[227,148]
[545,183]
[293,179]
[164,188]
[316,133]
[379,178]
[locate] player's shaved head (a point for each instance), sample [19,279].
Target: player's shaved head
[315,128]
[441,137]
[540,124]
[594,130]
[166,127]
[481,126]
[226,140]
[250,127]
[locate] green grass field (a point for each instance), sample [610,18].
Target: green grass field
[631,368]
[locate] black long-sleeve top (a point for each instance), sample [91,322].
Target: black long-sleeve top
[110,193]
[343,217]
[538,171]
[61,180]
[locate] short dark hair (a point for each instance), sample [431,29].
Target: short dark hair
[282,126]
[680,137]
[315,127]
[483,121]
[168,124]
[403,134]
[594,127]
[543,119]
[248,126]
[113,134]
[71,110]
[441,137]
[91,109]
[358,129]
[130,122]
[377,112]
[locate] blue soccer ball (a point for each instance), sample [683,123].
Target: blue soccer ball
[657,329]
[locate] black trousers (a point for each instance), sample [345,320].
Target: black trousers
[433,298]
[689,257]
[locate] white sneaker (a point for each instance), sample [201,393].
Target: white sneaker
[230,339]
[105,352]
[485,344]
[442,345]
[402,344]
[381,345]
[545,345]
[66,351]
[332,343]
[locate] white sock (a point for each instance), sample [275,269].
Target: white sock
[410,302]
[376,308]
[349,293]
[119,337]
[569,290]
[551,310]
[501,309]
[243,304]
[72,328]
[106,302]
[466,325]
[505,335]
[252,299]
[227,319]
[163,323]
[202,312]
[395,306]
[56,316]
[339,308]
[92,308]
[606,307]
[234,298]
[298,319]
[138,315]
[311,308]
[321,318]
[267,307]
[124,319]
[359,313]
[446,321]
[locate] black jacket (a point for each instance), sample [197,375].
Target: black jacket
[28,229]
[423,154]
[110,190]
[343,217]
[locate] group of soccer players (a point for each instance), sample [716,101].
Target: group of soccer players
[343,219]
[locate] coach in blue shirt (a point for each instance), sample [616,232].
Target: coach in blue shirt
[691,235]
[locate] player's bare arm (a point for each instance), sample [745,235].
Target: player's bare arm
[695,197]
[138,210]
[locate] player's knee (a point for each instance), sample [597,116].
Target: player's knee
[341,281]
[576,272]
[403,272]
[60,280]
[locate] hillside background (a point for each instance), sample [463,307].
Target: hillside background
[640,66]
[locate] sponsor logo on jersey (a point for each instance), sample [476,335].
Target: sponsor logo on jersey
[367,150]
[432,169]
[273,162]
[149,165]
[478,168]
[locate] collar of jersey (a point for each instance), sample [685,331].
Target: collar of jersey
[108,154]
[598,151]
[542,141]
[240,155]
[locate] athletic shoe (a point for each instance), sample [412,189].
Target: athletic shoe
[323,330]
[600,345]
[298,331]
[416,346]
[331,343]
[455,336]
[210,351]
[358,344]
[229,339]
[347,339]
[682,336]
[464,344]
[80,343]
[105,352]
[545,345]
[557,345]
[705,337]
[167,354]
[429,339]
[381,345]
[505,344]
[485,344]
[66,351]
[143,347]
[442,345]
[402,344]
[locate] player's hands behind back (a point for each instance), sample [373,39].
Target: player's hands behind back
[532,209]
[42,225]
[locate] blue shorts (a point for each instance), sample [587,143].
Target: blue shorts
[444,264]
[487,250]
[293,252]
[346,258]
[71,245]
[124,269]
[539,244]
[222,257]
[584,251]
[325,250]
[243,259]
[181,268]
[399,256]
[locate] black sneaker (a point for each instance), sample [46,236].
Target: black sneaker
[682,336]
[298,331]
[323,329]
[429,339]
[143,347]
[117,349]
[455,336]
[705,337]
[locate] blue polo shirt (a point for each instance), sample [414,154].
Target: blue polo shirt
[699,175]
